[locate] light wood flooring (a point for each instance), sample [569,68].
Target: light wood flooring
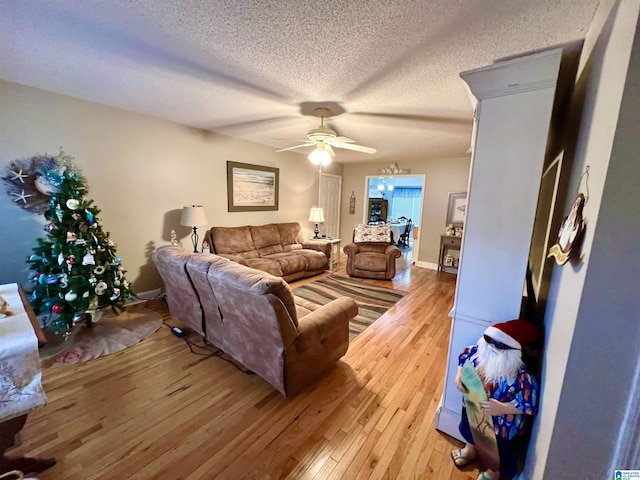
[159,411]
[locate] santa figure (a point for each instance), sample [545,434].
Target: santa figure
[511,396]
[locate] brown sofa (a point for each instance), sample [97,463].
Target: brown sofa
[252,316]
[276,248]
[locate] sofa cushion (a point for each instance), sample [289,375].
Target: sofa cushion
[257,283]
[372,262]
[264,235]
[315,260]
[292,247]
[265,264]
[372,233]
[234,241]
[289,262]
[289,233]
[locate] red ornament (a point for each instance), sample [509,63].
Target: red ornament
[57,308]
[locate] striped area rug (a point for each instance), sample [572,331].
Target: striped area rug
[372,300]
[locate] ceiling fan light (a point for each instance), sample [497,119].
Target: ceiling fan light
[320,157]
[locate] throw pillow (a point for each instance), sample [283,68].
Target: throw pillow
[372,233]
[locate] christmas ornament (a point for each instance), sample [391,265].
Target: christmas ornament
[99,270]
[19,176]
[81,242]
[57,308]
[70,296]
[59,212]
[101,287]
[115,294]
[62,277]
[86,294]
[88,259]
[93,280]
[83,227]
[21,197]
[71,237]
[60,258]
[45,186]
[50,227]
[70,261]
[90,217]
[72,204]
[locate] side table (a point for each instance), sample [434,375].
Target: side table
[447,242]
[334,258]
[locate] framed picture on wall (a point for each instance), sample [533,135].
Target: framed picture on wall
[251,188]
[457,210]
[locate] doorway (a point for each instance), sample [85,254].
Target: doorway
[402,196]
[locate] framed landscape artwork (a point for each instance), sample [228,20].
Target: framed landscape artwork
[457,211]
[251,188]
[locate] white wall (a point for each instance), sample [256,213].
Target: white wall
[592,308]
[140,171]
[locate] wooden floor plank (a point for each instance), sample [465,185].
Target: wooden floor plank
[157,411]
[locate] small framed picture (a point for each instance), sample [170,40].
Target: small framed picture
[457,210]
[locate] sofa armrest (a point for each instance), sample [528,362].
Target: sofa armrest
[393,251]
[323,247]
[350,249]
[315,327]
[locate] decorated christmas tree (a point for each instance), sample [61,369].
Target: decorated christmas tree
[77,273]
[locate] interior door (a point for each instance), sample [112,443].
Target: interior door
[329,200]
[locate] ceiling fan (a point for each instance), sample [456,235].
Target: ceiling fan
[324,140]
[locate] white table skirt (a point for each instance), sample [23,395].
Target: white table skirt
[397,229]
[20,373]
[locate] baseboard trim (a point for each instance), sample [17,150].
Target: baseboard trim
[448,421]
[143,297]
[429,265]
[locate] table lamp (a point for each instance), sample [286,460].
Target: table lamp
[193,216]
[316,216]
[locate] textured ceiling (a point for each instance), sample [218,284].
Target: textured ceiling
[255,69]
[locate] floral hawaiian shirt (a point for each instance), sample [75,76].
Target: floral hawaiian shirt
[523,392]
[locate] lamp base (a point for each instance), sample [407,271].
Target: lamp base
[194,239]
[316,233]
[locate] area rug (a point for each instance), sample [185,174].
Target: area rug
[112,333]
[372,300]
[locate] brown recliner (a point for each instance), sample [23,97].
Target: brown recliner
[372,259]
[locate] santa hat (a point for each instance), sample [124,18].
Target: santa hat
[515,333]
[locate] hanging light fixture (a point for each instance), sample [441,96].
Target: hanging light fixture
[320,156]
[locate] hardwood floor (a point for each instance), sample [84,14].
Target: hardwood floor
[159,411]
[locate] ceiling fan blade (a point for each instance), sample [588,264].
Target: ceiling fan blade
[357,148]
[330,150]
[296,146]
[291,139]
[344,140]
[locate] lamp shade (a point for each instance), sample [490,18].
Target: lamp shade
[320,157]
[316,215]
[193,216]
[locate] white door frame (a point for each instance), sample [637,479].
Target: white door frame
[416,243]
